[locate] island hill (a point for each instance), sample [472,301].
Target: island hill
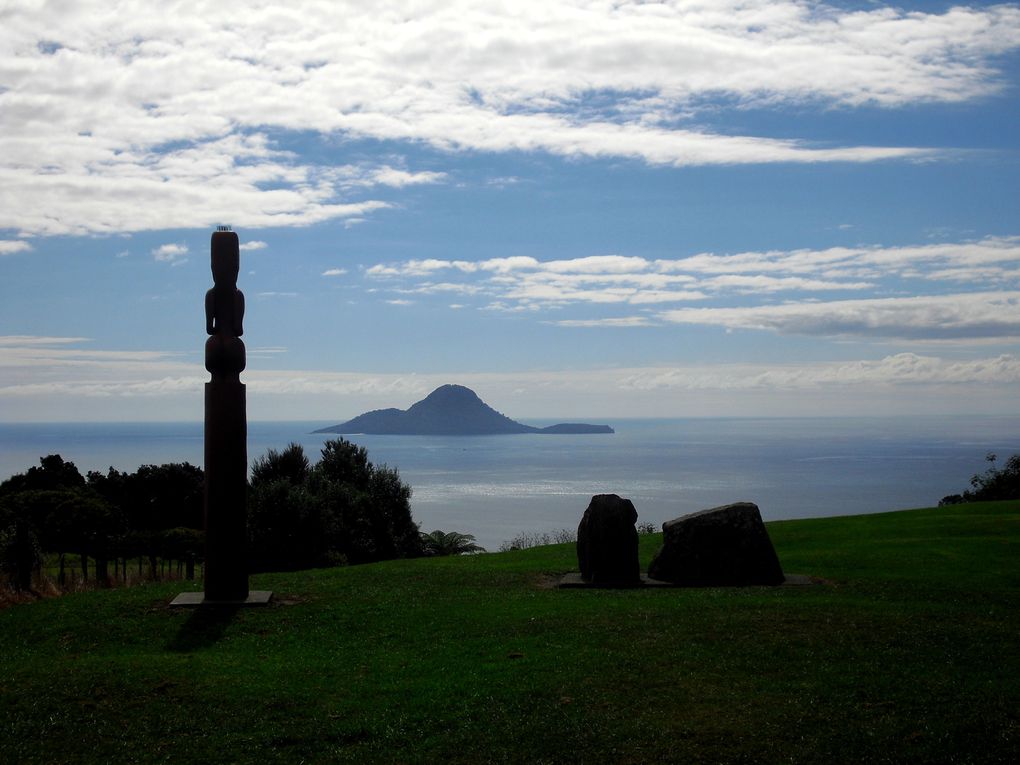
[450,410]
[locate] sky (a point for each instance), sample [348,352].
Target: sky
[577,209]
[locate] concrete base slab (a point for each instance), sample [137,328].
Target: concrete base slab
[573,580]
[198,600]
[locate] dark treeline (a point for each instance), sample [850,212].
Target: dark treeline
[153,514]
[994,484]
[342,510]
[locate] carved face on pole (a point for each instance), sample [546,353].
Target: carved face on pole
[226,263]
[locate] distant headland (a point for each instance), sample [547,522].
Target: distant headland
[450,410]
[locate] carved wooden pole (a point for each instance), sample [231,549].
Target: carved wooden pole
[226,428]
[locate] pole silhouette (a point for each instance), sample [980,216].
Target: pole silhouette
[226,428]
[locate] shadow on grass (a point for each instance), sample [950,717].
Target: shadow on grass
[204,628]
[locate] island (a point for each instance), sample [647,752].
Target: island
[450,410]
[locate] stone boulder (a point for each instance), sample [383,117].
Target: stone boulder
[722,546]
[607,543]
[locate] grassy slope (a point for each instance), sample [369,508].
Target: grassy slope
[910,655]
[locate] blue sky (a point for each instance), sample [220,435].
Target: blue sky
[577,209]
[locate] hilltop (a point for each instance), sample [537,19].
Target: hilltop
[450,410]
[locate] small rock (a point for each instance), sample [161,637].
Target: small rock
[607,543]
[719,547]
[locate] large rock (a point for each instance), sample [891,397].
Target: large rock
[723,546]
[607,543]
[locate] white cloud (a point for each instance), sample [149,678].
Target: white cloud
[622,321]
[127,120]
[115,371]
[504,265]
[502,181]
[334,272]
[170,253]
[19,341]
[33,366]
[1004,251]
[88,391]
[45,377]
[389,176]
[553,291]
[8,247]
[966,317]
[425,267]
[597,264]
[788,269]
[366,175]
[201,185]
[903,369]
[432,288]
[254,244]
[647,296]
[744,283]
[986,266]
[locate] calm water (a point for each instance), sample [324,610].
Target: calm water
[497,486]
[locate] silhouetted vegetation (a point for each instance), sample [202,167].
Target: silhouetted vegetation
[528,539]
[53,512]
[647,527]
[342,510]
[438,543]
[994,484]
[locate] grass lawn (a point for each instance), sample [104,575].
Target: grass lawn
[911,653]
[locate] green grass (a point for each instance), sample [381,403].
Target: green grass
[908,654]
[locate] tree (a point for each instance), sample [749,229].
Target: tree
[371,505]
[290,465]
[93,529]
[449,543]
[342,509]
[160,497]
[344,463]
[52,474]
[26,504]
[52,508]
[994,484]
[20,552]
[166,496]
[287,528]
[183,545]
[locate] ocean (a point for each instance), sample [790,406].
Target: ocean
[496,487]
